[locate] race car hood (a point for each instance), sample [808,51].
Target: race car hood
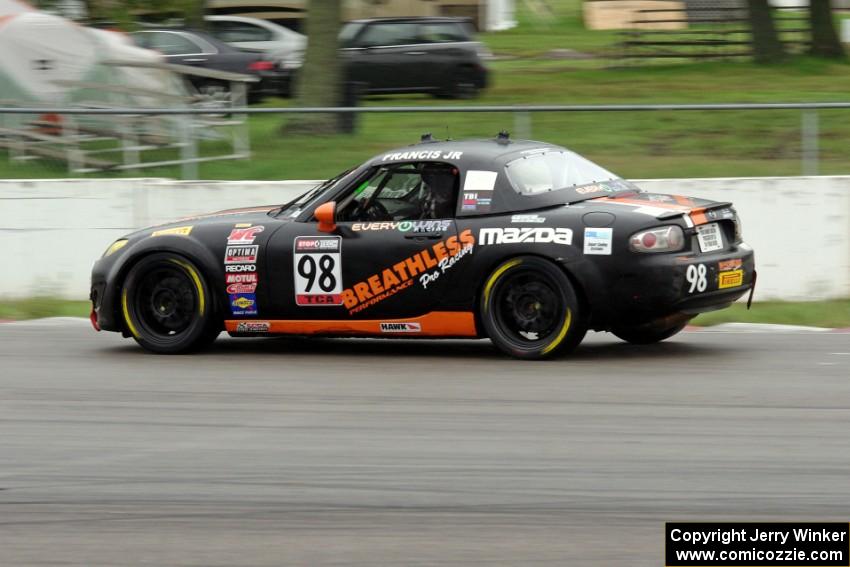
[229,217]
[661,206]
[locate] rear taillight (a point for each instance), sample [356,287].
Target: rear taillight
[261,66]
[664,239]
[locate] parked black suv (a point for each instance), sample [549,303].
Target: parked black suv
[413,55]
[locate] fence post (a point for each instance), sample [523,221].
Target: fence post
[188,148]
[809,142]
[522,125]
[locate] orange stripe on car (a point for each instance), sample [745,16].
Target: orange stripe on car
[435,323]
[698,216]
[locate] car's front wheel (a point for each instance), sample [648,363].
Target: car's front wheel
[167,306]
[529,309]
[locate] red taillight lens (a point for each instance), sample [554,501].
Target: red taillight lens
[261,66]
[664,239]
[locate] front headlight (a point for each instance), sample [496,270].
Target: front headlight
[115,247]
[663,239]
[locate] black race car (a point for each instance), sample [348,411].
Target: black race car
[523,242]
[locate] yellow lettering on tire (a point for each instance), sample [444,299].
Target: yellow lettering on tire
[561,334]
[495,276]
[127,318]
[197,279]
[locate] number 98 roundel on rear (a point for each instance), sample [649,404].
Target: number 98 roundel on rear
[318,270]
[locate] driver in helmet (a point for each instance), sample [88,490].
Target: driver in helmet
[439,186]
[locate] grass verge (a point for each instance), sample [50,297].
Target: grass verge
[814,314]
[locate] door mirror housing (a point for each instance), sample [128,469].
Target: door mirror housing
[326,215]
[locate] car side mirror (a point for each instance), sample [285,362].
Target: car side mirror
[326,215]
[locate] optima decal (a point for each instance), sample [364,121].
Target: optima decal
[390,281]
[516,235]
[241,254]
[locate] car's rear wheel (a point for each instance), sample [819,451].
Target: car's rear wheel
[653,332]
[530,310]
[167,306]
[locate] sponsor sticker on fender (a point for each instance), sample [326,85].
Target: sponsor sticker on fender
[240,268]
[241,254]
[597,241]
[400,276]
[244,235]
[253,327]
[727,265]
[405,226]
[527,219]
[318,270]
[179,231]
[516,235]
[401,328]
[243,304]
[730,279]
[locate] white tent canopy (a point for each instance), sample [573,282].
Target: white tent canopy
[49,60]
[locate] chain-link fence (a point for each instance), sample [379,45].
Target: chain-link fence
[654,140]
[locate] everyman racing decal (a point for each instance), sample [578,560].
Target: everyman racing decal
[318,270]
[390,281]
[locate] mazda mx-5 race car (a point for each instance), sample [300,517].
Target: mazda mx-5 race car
[522,242]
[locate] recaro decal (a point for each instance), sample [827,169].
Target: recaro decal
[517,235]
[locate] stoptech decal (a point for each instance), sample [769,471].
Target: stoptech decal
[318,270]
[405,226]
[241,254]
[401,328]
[516,235]
[244,235]
[390,281]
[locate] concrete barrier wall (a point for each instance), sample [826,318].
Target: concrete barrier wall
[53,230]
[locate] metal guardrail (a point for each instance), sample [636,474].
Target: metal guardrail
[522,121]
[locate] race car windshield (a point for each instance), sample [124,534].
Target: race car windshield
[298,203]
[553,170]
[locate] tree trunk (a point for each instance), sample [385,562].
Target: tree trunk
[766,45]
[825,42]
[320,81]
[194,12]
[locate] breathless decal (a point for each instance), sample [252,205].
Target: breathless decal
[400,276]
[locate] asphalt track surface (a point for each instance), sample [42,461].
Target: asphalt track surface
[352,452]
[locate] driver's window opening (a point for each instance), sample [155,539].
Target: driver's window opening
[410,191]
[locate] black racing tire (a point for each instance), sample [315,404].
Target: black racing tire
[650,333]
[167,306]
[530,310]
